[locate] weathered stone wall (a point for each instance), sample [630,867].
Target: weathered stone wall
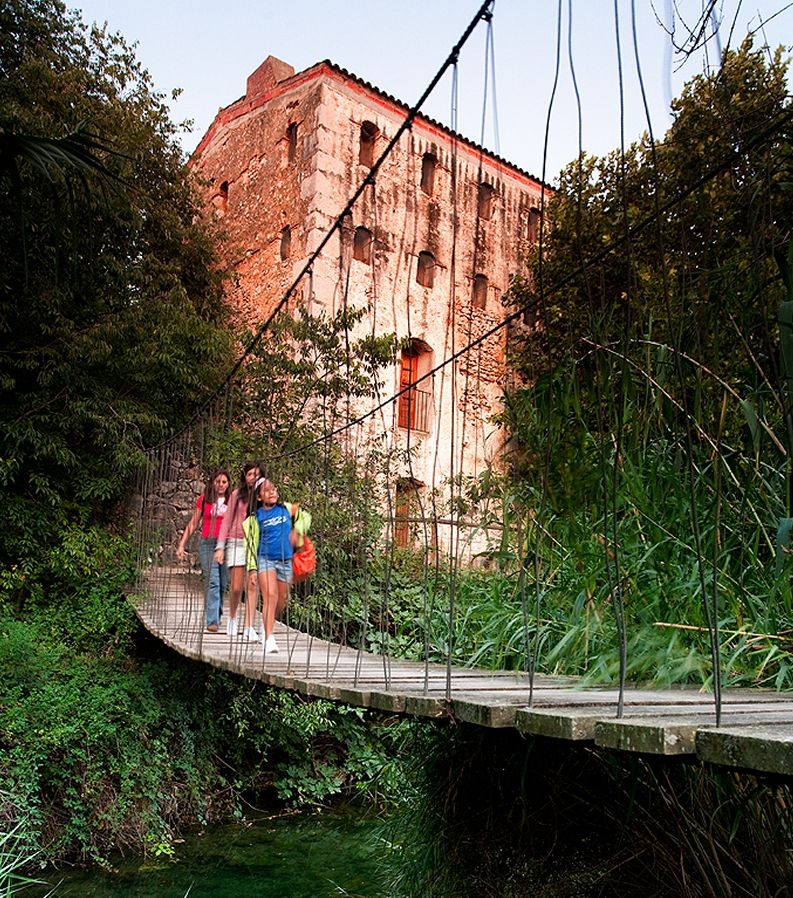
[258,186]
[165,505]
[256,191]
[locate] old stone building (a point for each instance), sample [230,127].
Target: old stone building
[429,248]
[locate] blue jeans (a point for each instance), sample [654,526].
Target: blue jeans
[216,580]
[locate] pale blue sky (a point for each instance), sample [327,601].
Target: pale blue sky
[209,49]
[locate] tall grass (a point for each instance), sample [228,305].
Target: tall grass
[16,856]
[565,620]
[582,522]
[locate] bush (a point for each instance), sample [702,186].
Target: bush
[105,744]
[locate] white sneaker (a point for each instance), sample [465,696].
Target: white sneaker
[231,626]
[251,635]
[271,646]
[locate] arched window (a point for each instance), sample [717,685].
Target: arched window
[428,165]
[286,242]
[479,298]
[369,132]
[362,245]
[415,398]
[425,269]
[291,142]
[485,201]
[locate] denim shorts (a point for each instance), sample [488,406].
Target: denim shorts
[283,569]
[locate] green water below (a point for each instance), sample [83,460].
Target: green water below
[291,856]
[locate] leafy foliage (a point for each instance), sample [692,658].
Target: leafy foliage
[103,751]
[308,363]
[651,450]
[109,298]
[112,332]
[679,237]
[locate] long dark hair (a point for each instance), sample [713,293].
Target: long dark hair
[244,492]
[209,490]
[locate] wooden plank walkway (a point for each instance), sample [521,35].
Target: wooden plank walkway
[756,730]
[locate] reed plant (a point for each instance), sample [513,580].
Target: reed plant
[691,541]
[552,607]
[17,857]
[545,601]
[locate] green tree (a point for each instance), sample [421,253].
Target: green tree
[651,434]
[111,310]
[673,250]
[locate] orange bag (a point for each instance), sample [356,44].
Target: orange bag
[304,561]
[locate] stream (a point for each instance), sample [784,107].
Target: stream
[306,855]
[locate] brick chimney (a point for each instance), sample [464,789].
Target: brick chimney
[269,73]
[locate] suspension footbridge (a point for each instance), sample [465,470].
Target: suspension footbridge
[616,483]
[755,731]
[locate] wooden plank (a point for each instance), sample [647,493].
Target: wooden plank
[572,724]
[426,706]
[491,713]
[388,701]
[578,723]
[651,736]
[677,734]
[334,692]
[756,731]
[764,748]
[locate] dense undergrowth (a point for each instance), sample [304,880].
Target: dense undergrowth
[545,596]
[108,743]
[495,814]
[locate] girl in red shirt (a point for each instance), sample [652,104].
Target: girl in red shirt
[210,509]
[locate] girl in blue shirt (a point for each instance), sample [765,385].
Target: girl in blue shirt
[276,542]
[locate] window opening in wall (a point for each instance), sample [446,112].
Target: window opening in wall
[534,225]
[291,142]
[530,317]
[479,298]
[428,164]
[286,242]
[425,269]
[415,402]
[223,197]
[485,201]
[369,132]
[362,245]
[406,511]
